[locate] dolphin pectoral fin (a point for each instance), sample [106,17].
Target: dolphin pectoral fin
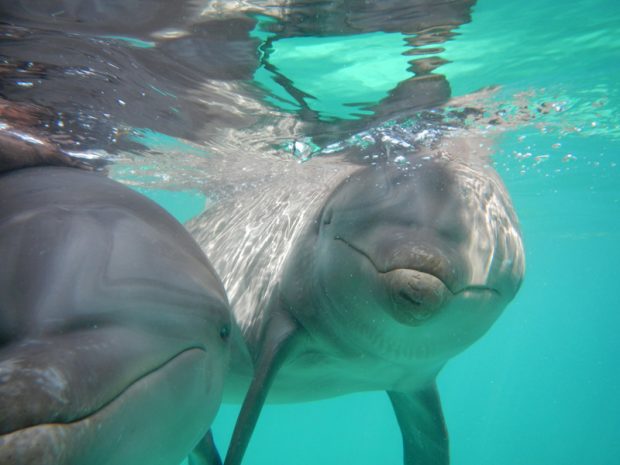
[276,343]
[419,415]
[205,452]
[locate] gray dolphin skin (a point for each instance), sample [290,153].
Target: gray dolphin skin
[362,270]
[113,325]
[352,277]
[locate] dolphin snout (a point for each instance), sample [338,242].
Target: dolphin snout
[416,296]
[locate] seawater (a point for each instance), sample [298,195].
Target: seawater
[543,386]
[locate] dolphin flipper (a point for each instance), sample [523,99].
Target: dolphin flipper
[278,336]
[425,437]
[205,452]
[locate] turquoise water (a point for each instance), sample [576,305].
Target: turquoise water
[543,386]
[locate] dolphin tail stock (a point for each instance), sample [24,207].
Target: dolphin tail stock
[277,340]
[425,437]
[205,452]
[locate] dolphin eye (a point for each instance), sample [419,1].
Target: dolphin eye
[327,218]
[225,332]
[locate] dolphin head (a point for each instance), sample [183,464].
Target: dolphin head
[417,258]
[114,327]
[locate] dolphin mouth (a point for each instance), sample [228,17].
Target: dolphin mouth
[417,294]
[17,428]
[452,288]
[424,270]
[135,410]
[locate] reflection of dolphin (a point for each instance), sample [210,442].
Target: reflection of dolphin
[113,325]
[350,278]
[183,69]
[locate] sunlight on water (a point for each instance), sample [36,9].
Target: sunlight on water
[542,387]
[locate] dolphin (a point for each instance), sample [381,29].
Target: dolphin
[345,274]
[351,274]
[114,328]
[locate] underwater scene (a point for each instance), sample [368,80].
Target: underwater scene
[251,121]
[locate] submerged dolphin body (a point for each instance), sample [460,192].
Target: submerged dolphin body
[348,277]
[113,325]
